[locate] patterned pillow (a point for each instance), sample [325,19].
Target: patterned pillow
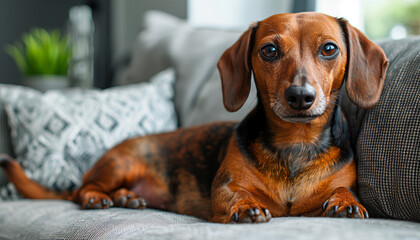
[57,136]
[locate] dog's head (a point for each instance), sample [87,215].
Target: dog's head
[299,62]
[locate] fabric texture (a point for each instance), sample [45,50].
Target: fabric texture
[387,137]
[193,53]
[30,219]
[57,136]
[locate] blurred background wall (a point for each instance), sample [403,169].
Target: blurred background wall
[118,22]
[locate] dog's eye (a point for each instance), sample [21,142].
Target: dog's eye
[269,52]
[329,50]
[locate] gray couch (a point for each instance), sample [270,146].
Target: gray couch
[26,219]
[385,138]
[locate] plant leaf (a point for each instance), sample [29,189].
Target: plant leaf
[42,53]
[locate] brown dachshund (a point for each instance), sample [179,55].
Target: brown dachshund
[290,156]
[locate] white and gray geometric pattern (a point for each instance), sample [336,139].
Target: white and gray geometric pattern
[59,135]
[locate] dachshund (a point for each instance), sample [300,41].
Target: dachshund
[290,156]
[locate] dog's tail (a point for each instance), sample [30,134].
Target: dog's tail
[25,186]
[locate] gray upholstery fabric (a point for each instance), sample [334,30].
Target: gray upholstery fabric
[31,219]
[387,137]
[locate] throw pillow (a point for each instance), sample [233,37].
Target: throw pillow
[193,53]
[387,137]
[58,135]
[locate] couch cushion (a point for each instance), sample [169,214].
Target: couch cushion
[193,53]
[387,137]
[57,136]
[29,219]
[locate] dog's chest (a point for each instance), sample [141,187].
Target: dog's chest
[289,164]
[296,181]
[291,193]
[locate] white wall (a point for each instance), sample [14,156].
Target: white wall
[127,20]
[233,14]
[352,10]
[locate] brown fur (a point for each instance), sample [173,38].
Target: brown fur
[277,162]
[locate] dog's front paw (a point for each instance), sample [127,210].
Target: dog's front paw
[96,200]
[128,199]
[247,211]
[343,204]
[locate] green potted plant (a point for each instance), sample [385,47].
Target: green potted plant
[43,59]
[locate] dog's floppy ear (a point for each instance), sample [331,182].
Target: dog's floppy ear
[366,67]
[235,71]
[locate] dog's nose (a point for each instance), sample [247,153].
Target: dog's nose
[300,97]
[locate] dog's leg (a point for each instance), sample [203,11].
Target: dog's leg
[239,206]
[343,203]
[234,203]
[105,182]
[128,176]
[106,176]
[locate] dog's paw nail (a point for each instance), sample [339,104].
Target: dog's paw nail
[251,212]
[324,206]
[267,214]
[105,202]
[356,212]
[137,203]
[134,203]
[257,211]
[365,214]
[356,208]
[235,217]
[143,202]
[349,210]
[122,201]
[332,212]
